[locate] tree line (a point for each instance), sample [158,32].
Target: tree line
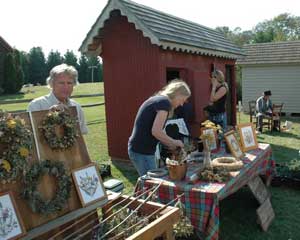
[21,67]
[33,68]
[284,27]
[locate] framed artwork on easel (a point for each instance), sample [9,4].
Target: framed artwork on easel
[89,184]
[11,224]
[209,136]
[233,144]
[247,136]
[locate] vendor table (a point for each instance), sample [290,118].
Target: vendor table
[201,199]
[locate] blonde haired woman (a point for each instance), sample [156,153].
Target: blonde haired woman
[217,111]
[149,124]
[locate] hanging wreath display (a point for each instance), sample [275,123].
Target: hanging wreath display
[33,196]
[59,130]
[15,146]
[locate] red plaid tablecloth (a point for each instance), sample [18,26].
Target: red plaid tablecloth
[201,199]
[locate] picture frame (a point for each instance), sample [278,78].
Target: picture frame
[89,185]
[247,136]
[11,225]
[214,146]
[233,144]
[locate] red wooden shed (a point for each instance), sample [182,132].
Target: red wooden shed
[142,49]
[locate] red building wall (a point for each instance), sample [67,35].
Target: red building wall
[130,64]
[134,69]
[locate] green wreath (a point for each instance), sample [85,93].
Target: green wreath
[31,180]
[15,147]
[64,121]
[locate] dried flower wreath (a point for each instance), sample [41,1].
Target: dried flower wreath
[15,144]
[57,122]
[31,181]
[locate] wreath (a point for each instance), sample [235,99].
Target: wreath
[229,163]
[31,180]
[15,146]
[57,122]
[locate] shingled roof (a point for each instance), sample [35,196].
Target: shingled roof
[166,31]
[271,53]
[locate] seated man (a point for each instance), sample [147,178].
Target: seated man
[264,108]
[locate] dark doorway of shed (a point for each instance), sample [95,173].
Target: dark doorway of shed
[230,98]
[172,74]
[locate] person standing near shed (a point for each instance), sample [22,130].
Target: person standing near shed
[217,100]
[61,81]
[149,124]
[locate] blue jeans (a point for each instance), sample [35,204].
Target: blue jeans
[142,162]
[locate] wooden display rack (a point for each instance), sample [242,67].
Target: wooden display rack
[160,227]
[40,226]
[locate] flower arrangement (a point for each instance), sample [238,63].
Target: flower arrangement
[59,130]
[16,144]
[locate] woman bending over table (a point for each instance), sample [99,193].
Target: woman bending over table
[149,124]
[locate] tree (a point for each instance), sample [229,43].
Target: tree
[13,73]
[19,71]
[283,27]
[237,36]
[71,59]
[54,59]
[83,71]
[25,65]
[37,66]
[10,74]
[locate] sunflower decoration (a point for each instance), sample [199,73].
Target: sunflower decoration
[210,124]
[59,130]
[15,146]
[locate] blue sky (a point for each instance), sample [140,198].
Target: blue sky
[63,24]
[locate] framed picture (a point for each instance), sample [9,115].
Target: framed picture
[11,225]
[248,136]
[89,184]
[233,144]
[212,138]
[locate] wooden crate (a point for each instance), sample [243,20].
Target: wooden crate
[162,226]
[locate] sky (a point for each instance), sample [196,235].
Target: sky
[63,24]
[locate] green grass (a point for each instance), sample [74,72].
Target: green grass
[238,211]
[36,91]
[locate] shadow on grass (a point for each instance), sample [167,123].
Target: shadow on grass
[278,134]
[96,122]
[283,154]
[12,96]
[127,170]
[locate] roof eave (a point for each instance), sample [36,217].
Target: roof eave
[105,15]
[196,50]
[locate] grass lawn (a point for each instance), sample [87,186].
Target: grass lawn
[238,211]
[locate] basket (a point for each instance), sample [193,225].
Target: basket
[177,172]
